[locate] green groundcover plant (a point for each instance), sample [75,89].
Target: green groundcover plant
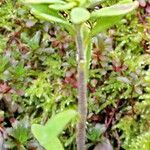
[83,20]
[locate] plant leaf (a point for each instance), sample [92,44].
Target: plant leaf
[54,144]
[62,6]
[87,42]
[104,23]
[79,15]
[44,1]
[125,1]
[47,135]
[43,12]
[109,16]
[34,42]
[82,2]
[57,123]
[87,45]
[88,56]
[45,139]
[93,3]
[115,10]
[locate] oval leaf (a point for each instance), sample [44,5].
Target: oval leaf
[104,23]
[109,16]
[44,138]
[37,131]
[93,3]
[125,1]
[79,15]
[57,123]
[53,144]
[43,12]
[82,2]
[62,6]
[44,1]
[47,135]
[115,10]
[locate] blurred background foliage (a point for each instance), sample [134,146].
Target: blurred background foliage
[38,78]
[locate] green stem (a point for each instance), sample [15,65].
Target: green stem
[82,91]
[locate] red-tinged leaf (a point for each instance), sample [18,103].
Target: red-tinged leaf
[148,9]
[142,3]
[4,88]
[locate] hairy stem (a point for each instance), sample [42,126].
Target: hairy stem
[82,91]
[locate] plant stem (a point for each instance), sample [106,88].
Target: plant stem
[82,91]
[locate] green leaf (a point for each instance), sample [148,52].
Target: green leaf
[54,144]
[4,63]
[93,3]
[87,44]
[34,42]
[79,2]
[43,12]
[57,123]
[20,131]
[44,1]
[45,138]
[109,16]
[3,42]
[104,23]
[62,6]
[47,135]
[125,1]
[19,70]
[88,55]
[115,10]
[79,15]
[82,2]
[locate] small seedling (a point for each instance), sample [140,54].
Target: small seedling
[83,22]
